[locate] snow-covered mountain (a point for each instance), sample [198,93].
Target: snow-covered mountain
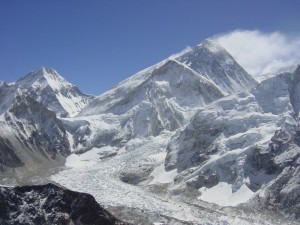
[214,63]
[243,146]
[30,134]
[162,97]
[183,139]
[48,87]
[208,62]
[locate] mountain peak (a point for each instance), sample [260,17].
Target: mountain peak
[207,42]
[46,70]
[51,89]
[211,45]
[42,77]
[207,52]
[212,61]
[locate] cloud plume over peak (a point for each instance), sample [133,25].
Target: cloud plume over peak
[261,53]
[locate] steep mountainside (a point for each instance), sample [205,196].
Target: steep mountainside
[50,204]
[30,134]
[48,87]
[168,80]
[216,64]
[243,145]
[162,97]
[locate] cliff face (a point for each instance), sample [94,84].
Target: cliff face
[31,135]
[50,204]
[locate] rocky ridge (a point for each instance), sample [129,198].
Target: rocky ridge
[50,204]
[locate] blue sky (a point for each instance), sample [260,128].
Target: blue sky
[96,44]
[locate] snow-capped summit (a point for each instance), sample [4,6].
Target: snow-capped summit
[187,88]
[207,61]
[40,73]
[164,96]
[216,64]
[211,46]
[49,88]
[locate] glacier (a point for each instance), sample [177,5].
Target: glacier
[193,139]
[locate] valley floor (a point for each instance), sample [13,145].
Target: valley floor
[148,203]
[136,204]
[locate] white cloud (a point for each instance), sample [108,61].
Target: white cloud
[261,53]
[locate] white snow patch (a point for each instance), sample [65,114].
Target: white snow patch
[71,141]
[222,194]
[73,161]
[162,176]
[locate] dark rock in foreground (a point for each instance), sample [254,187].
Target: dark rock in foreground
[50,204]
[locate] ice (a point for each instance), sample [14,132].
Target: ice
[162,176]
[159,174]
[73,161]
[100,180]
[222,194]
